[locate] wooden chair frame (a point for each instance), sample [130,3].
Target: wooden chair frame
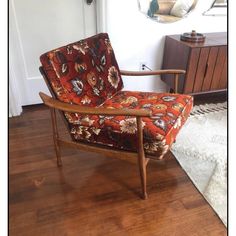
[143,160]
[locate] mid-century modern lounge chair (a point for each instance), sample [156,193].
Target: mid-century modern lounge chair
[85,82]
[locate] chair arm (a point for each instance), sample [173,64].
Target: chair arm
[154,72]
[54,103]
[157,72]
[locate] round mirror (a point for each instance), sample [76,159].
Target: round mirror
[166,11]
[219,7]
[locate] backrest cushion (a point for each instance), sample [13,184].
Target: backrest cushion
[84,72]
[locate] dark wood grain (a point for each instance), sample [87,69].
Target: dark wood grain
[172,59]
[224,75]
[210,68]
[201,69]
[192,70]
[203,63]
[95,195]
[218,68]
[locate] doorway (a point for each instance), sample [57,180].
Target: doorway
[36,27]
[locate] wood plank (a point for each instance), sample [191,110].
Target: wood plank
[201,69]
[211,66]
[224,75]
[95,195]
[192,69]
[218,68]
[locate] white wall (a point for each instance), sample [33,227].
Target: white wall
[135,38]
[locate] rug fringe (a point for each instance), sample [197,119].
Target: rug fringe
[208,108]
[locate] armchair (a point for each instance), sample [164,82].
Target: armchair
[86,86]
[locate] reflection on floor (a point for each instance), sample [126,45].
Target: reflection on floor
[95,195]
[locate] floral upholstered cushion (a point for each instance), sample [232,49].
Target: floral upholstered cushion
[84,72]
[169,112]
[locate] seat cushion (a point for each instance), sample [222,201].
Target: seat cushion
[169,112]
[84,72]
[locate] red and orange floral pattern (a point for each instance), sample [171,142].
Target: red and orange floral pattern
[87,73]
[169,113]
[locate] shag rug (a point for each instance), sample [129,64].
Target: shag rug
[201,150]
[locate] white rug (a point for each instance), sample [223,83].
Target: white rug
[201,150]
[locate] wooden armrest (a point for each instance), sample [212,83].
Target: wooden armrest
[54,103]
[157,72]
[154,72]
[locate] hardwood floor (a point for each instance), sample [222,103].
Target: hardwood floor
[95,195]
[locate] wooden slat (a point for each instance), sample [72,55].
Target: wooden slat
[123,155]
[211,66]
[201,69]
[192,68]
[218,68]
[224,75]
[154,72]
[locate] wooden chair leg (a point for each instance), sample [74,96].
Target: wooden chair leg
[143,175]
[55,137]
[141,158]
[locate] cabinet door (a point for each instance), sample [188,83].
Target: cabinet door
[202,68]
[219,79]
[223,79]
[191,71]
[209,69]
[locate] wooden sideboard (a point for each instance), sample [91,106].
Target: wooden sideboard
[205,63]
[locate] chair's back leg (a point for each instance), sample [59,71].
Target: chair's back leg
[141,158]
[56,136]
[176,83]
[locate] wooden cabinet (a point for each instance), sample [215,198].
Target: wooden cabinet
[205,63]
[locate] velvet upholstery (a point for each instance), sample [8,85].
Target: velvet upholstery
[86,73]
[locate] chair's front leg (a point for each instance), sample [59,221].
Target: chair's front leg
[55,136]
[141,158]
